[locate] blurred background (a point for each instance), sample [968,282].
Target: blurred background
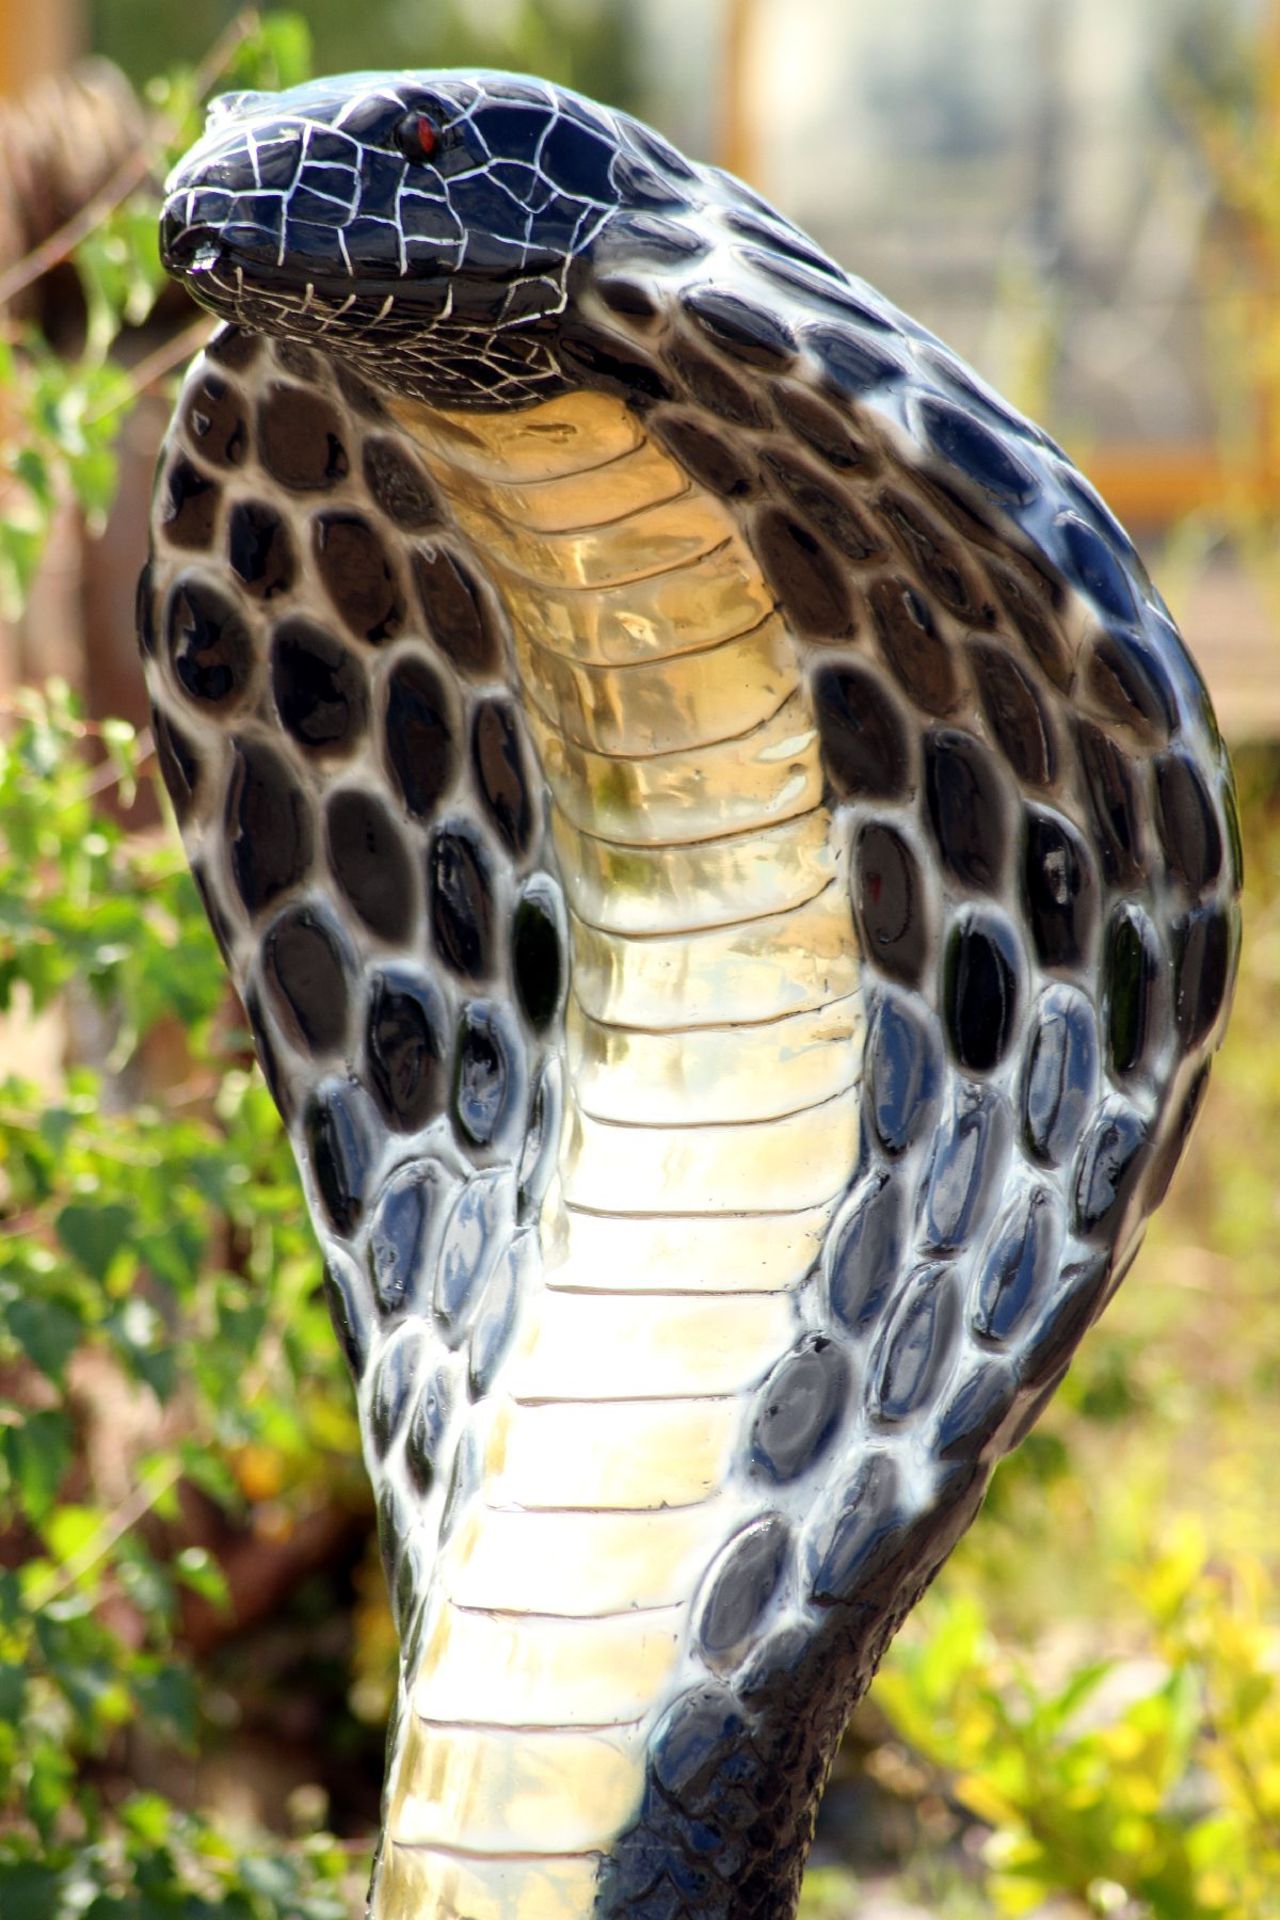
[195,1658]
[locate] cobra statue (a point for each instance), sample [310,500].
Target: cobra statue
[732,874]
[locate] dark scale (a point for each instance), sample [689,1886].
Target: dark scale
[744,331]
[858,1533]
[980,992]
[500,772]
[808,581]
[234,348]
[470,1248]
[456,612]
[865,747]
[1130,687]
[713,389]
[209,646]
[827,507]
[265,1042]
[1060,1079]
[1018,721]
[307,964]
[852,364]
[407,1048]
[496,1316]
[913,652]
[425,1436]
[260,549]
[538,944]
[924,541]
[1131,970]
[1093,562]
[371,863]
[393,1378]
[340,1131]
[968,1164]
[967,808]
[350,1323]
[419,728]
[708,453]
[488,1083]
[1189,833]
[179,763]
[1025,595]
[917,1347]
[983,457]
[1107,1170]
[397,484]
[270,833]
[799,1409]
[866,1253]
[740,1586]
[822,429]
[319,686]
[300,440]
[1019,1266]
[461,893]
[1202,950]
[359,576]
[903,1073]
[405,1233]
[1113,800]
[889,901]
[1059,890]
[189,502]
[217,421]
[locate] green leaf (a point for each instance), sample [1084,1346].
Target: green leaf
[94,1235]
[47,1331]
[28,1891]
[37,1452]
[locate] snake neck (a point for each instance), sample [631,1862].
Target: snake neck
[713,1043]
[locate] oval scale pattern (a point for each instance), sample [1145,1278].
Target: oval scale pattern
[733,879]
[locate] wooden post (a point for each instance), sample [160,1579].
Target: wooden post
[738,144]
[37,37]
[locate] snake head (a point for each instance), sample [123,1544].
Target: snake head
[425,226]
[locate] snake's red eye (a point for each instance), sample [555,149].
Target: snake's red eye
[417,136]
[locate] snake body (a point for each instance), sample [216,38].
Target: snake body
[732,874]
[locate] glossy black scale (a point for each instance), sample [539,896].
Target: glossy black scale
[426,1431]
[1108,1167]
[631,371]
[980,992]
[852,364]
[903,1071]
[804,575]
[461,902]
[1025,594]
[967,1168]
[189,506]
[265,1044]
[799,1409]
[260,549]
[405,1232]
[923,541]
[1131,969]
[914,654]
[965,443]
[419,732]
[1130,686]
[340,1131]
[709,457]
[320,689]
[889,899]
[216,419]
[300,439]
[179,763]
[865,747]
[269,826]
[825,507]
[1056,1332]
[742,1582]
[966,808]
[866,1256]
[219,920]
[397,484]
[468,1251]
[917,1347]
[407,1047]
[1059,889]
[500,773]
[1015,715]
[1094,564]
[1060,1081]
[538,953]
[209,646]
[1202,968]
[713,389]
[496,1317]
[487,1078]
[1108,780]
[307,964]
[1019,1266]
[976,1411]
[1187,823]
[741,329]
[358,576]
[821,428]
[371,863]
[864,1532]
[350,1324]
[456,612]
[393,1379]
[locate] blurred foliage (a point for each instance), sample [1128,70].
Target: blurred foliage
[1086,1712]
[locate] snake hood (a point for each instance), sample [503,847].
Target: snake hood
[733,877]
[434,227]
